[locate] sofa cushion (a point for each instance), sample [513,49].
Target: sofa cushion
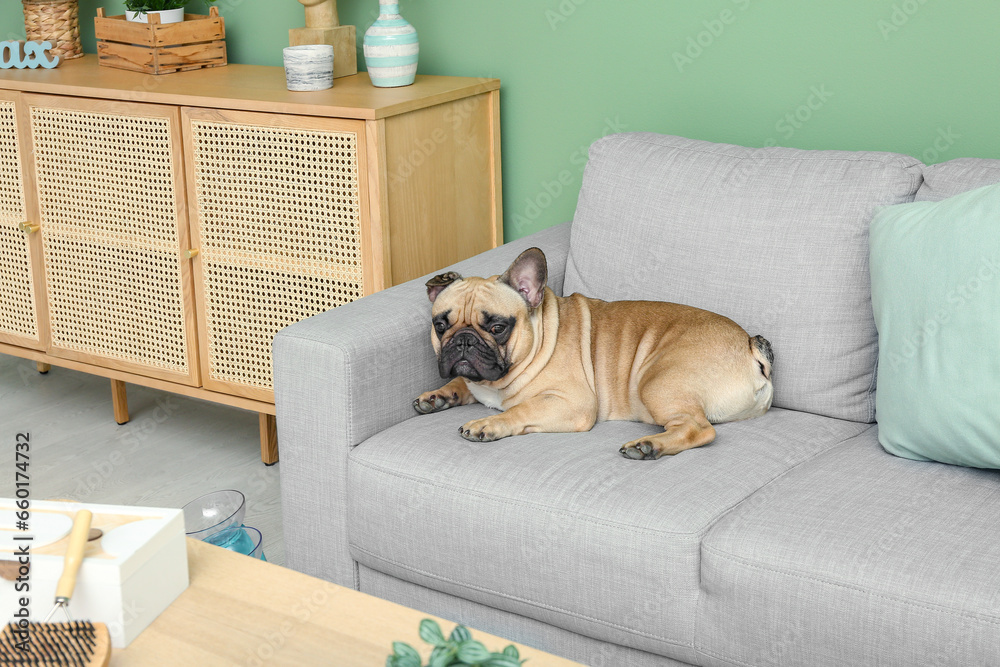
[948,179]
[521,629]
[935,270]
[857,558]
[560,527]
[774,238]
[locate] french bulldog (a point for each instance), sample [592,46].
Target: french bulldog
[561,364]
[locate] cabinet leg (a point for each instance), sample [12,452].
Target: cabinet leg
[43,367]
[268,439]
[120,401]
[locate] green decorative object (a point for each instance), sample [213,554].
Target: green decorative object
[935,270]
[459,650]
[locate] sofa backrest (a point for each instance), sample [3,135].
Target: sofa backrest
[954,177]
[774,238]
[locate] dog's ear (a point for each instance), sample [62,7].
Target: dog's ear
[528,275]
[439,282]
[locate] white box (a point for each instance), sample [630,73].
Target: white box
[128,576]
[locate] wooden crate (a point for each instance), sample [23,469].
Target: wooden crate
[154,48]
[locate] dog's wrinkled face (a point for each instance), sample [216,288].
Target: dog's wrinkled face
[481,327]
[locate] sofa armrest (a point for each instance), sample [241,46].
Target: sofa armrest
[346,374]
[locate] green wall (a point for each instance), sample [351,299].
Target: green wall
[913,76]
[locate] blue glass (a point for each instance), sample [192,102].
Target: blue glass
[239,540]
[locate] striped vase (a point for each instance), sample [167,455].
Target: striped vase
[391,48]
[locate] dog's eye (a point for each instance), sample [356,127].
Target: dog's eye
[440,326]
[498,329]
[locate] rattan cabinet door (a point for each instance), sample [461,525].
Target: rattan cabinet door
[279,208]
[112,208]
[22,307]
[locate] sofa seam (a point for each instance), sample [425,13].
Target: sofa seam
[895,160]
[690,536]
[866,427]
[851,587]
[702,546]
[307,339]
[515,598]
[346,360]
[719,656]
[872,386]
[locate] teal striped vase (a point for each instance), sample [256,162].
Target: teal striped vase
[391,48]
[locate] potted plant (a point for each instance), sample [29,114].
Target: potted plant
[459,650]
[169,11]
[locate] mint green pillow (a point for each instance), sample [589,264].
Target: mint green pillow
[935,269]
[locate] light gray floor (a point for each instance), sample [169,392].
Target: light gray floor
[173,449]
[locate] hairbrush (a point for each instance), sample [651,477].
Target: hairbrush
[79,644]
[76,643]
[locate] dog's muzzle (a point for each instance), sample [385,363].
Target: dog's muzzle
[466,355]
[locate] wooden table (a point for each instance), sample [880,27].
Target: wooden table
[241,611]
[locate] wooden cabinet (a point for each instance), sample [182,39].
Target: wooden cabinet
[23,319]
[109,184]
[161,230]
[276,208]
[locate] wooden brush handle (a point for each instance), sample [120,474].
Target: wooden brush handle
[74,555]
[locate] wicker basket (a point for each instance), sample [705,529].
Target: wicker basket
[56,21]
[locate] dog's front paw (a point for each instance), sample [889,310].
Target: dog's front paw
[435,401]
[487,429]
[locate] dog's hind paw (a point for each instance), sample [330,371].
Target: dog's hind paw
[639,450]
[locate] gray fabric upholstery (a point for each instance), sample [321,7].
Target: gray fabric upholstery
[954,177]
[793,539]
[775,239]
[346,374]
[860,558]
[583,649]
[560,527]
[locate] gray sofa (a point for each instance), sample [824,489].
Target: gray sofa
[793,539]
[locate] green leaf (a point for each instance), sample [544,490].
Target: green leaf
[500,660]
[460,634]
[472,651]
[441,657]
[405,655]
[511,652]
[431,633]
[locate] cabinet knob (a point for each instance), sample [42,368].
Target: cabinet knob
[29,227]
[191,253]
